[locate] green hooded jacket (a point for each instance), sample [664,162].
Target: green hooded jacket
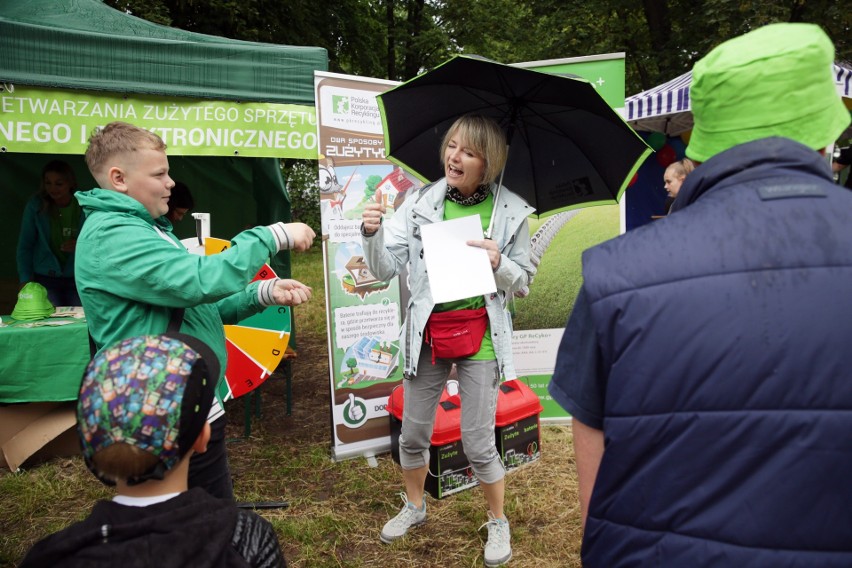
[131,272]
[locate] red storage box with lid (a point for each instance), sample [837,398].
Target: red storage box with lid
[517,432]
[449,470]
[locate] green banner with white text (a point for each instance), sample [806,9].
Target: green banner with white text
[605,72]
[57,121]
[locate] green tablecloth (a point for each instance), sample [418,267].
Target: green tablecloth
[42,363]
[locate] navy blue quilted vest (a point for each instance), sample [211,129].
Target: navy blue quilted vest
[726,329]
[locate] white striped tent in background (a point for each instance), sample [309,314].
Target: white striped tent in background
[843,78]
[667,108]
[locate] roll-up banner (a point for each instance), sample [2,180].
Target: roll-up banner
[364,314]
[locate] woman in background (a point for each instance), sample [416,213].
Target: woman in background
[673,178]
[49,228]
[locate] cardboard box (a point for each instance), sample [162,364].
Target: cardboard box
[517,432]
[449,470]
[34,432]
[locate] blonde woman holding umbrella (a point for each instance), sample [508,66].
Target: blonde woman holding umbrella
[473,154]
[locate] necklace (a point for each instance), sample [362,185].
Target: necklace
[475,198]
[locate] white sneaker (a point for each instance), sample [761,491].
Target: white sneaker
[409,517]
[498,549]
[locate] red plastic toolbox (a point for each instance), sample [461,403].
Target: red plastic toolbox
[517,432]
[449,470]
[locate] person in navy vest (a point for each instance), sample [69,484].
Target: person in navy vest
[706,362]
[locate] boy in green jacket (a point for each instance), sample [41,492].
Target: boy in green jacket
[132,273]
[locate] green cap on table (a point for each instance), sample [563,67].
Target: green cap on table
[32,303]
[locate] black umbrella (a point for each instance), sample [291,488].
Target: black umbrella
[567,147]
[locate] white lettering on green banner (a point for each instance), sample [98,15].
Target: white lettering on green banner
[43,120]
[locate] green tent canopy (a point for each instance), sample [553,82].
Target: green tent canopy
[87,46]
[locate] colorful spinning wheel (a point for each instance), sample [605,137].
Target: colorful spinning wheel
[257,344]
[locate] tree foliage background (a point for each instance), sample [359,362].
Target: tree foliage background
[398,39]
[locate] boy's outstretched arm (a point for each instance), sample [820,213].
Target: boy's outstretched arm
[261,294]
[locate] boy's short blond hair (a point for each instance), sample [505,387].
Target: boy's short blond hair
[115,139]
[681,168]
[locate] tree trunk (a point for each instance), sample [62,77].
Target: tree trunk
[659,24]
[415,24]
[391,35]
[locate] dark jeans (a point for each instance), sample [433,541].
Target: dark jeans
[210,470]
[60,291]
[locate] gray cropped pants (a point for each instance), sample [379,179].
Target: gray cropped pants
[478,384]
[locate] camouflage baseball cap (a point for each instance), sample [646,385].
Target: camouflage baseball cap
[151,392]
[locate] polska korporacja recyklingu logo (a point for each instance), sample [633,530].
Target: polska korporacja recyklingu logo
[340,104]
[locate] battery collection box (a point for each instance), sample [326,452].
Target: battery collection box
[517,425]
[449,470]
[517,436]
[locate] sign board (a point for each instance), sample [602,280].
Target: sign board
[57,121]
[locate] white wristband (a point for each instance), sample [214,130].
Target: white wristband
[265,292]
[282,237]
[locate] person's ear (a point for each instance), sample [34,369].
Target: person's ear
[200,445]
[117,179]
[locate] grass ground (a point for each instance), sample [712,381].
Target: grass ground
[335,509]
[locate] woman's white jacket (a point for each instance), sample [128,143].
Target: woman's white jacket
[398,242]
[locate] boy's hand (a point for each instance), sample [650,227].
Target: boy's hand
[287,292]
[301,235]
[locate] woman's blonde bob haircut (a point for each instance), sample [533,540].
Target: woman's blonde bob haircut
[485,138]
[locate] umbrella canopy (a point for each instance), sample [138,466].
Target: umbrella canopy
[567,147]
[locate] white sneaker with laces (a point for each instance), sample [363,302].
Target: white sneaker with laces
[410,516]
[498,549]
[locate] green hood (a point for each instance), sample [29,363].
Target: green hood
[107,200]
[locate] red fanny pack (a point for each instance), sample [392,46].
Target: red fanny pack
[457,333]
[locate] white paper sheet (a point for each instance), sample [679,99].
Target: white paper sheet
[456,270]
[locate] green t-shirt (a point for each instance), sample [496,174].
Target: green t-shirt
[63,226]
[455,211]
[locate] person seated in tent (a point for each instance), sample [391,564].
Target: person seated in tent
[180,202]
[135,277]
[140,440]
[48,237]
